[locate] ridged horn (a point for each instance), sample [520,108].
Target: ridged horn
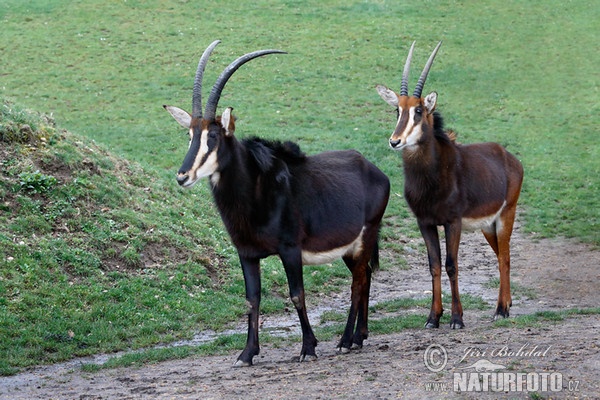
[404,85]
[423,78]
[197,92]
[215,93]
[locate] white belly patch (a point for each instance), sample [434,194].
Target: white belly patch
[310,258]
[473,224]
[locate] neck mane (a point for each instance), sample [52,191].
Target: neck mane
[254,174]
[426,168]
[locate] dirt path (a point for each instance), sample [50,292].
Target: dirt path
[562,356]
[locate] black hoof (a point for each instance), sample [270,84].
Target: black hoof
[240,364]
[501,313]
[457,325]
[344,346]
[308,358]
[498,316]
[245,359]
[432,324]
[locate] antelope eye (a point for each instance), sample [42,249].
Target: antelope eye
[212,135]
[418,110]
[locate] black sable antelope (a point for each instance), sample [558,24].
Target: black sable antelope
[273,199]
[455,186]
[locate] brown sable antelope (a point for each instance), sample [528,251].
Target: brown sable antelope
[456,186]
[275,200]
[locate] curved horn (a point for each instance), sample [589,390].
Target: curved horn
[404,86]
[423,78]
[197,93]
[215,93]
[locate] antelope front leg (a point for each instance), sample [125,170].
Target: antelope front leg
[432,241]
[452,241]
[251,269]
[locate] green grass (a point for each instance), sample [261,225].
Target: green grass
[222,345]
[509,72]
[387,316]
[541,317]
[517,290]
[100,251]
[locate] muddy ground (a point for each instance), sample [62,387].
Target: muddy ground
[552,360]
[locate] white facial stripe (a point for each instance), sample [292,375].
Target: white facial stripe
[202,151]
[203,143]
[209,166]
[202,169]
[191,132]
[396,128]
[412,132]
[399,117]
[407,136]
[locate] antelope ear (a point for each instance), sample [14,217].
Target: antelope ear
[430,102]
[182,117]
[388,95]
[228,122]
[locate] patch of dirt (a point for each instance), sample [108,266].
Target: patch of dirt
[547,275]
